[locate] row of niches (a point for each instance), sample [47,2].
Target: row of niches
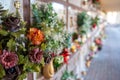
[45,46]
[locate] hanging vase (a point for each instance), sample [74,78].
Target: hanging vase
[48,70]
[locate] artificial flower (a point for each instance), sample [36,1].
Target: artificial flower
[66,55]
[94,26]
[36,55]
[98,41]
[8,59]
[12,73]
[36,36]
[11,23]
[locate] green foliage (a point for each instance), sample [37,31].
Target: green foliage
[2,72]
[2,11]
[4,32]
[10,39]
[58,61]
[44,16]
[52,45]
[95,20]
[22,76]
[75,36]
[11,44]
[83,22]
[80,19]
[68,76]
[67,39]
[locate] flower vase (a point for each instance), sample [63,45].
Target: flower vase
[48,70]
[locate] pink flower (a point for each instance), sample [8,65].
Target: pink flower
[8,59]
[36,55]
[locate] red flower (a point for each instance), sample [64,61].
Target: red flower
[66,55]
[36,55]
[98,41]
[8,59]
[94,26]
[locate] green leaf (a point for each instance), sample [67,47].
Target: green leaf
[19,33]
[43,46]
[2,72]
[42,62]
[22,59]
[11,44]
[28,65]
[3,32]
[23,24]
[22,76]
[21,48]
[36,68]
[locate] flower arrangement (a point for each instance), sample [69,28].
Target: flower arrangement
[95,22]
[24,50]
[17,58]
[55,37]
[83,22]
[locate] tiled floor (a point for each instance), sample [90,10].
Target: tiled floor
[106,64]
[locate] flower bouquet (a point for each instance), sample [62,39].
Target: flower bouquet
[83,23]
[55,37]
[17,57]
[24,50]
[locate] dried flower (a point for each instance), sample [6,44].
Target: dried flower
[36,55]
[11,23]
[8,59]
[36,36]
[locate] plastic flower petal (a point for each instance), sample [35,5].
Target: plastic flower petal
[35,36]
[8,59]
[36,55]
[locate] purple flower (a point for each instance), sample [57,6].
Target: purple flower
[8,59]
[36,55]
[11,23]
